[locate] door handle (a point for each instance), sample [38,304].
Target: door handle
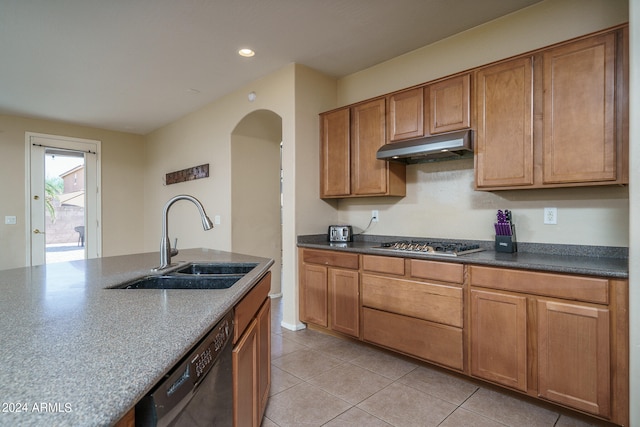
[36,231]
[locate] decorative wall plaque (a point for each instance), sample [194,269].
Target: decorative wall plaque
[188,174]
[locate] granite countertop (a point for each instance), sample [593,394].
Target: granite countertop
[611,262]
[76,353]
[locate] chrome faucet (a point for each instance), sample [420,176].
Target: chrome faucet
[165,247]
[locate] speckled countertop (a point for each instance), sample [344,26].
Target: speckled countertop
[599,261]
[77,354]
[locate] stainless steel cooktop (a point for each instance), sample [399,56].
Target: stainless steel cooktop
[432,248]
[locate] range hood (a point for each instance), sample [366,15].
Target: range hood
[446,146]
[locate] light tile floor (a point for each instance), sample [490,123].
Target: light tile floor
[321,380]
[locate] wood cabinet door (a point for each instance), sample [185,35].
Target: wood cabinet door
[573,356]
[263,323]
[345,302]
[579,142]
[368,174]
[499,338]
[450,104]
[313,294]
[405,118]
[504,140]
[335,161]
[430,341]
[245,385]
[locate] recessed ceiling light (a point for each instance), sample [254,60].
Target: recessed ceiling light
[247,53]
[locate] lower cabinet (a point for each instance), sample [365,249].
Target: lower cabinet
[559,337]
[430,341]
[330,290]
[499,338]
[252,355]
[562,338]
[421,318]
[574,356]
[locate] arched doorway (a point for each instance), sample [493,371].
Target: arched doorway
[256,197]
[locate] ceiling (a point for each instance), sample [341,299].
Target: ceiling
[136,65]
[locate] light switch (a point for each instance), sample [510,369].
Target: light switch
[216,220]
[10,220]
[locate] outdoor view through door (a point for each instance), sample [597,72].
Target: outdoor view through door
[64,205]
[64,185]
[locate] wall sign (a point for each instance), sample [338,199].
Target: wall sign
[188,174]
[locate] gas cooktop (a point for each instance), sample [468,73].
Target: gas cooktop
[431,248]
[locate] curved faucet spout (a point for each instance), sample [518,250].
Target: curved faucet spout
[165,246]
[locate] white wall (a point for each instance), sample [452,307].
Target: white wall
[255,190]
[122,186]
[440,199]
[297,94]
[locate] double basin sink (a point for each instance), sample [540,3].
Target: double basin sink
[193,276]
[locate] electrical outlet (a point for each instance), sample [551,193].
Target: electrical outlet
[374,216]
[550,215]
[10,220]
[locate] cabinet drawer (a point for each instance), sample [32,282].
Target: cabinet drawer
[334,259]
[383,264]
[580,288]
[429,341]
[247,308]
[437,303]
[434,270]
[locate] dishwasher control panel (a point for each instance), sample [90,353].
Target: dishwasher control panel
[206,354]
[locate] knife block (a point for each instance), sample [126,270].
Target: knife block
[507,244]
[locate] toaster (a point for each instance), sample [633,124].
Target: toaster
[340,233]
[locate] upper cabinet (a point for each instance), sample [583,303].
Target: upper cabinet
[450,104]
[431,109]
[504,136]
[405,118]
[335,154]
[556,118]
[350,138]
[579,111]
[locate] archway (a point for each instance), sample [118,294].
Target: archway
[256,197]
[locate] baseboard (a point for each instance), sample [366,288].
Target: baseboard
[291,327]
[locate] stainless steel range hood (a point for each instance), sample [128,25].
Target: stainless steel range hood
[446,146]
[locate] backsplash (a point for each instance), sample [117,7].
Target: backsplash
[442,203]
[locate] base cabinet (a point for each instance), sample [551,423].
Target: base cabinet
[414,307]
[252,355]
[573,356]
[562,338]
[437,343]
[330,290]
[499,338]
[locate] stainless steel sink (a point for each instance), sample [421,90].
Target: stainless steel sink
[201,268]
[182,282]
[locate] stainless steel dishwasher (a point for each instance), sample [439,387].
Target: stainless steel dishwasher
[198,391]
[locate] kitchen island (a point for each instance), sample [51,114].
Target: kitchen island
[75,352]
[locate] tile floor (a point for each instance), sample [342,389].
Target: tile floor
[320,380]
